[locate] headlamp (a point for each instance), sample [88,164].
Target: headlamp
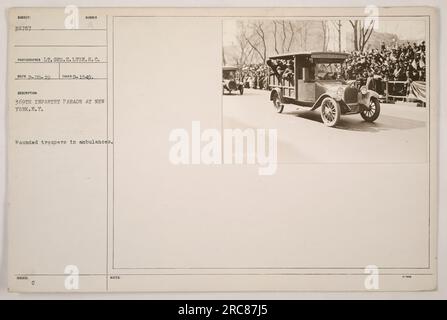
[340,93]
[363,90]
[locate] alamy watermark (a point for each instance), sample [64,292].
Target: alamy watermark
[72,17]
[372,279]
[234,146]
[71,281]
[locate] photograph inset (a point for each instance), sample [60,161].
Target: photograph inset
[336,90]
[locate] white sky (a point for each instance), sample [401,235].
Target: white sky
[405,29]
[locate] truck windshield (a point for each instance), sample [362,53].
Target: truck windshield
[229,74]
[328,71]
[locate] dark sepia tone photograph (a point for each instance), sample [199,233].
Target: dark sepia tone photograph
[336,90]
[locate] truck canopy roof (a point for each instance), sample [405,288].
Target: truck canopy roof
[326,56]
[229,68]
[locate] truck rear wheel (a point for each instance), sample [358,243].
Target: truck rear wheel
[277,103]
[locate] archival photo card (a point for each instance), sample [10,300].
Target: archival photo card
[222,149]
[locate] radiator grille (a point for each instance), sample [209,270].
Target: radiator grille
[351,95]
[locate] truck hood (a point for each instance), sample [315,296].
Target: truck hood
[332,85]
[350,93]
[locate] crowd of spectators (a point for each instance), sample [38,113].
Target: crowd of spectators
[397,63]
[254,76]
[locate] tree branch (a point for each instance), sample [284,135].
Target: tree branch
[292,35]
[256,49]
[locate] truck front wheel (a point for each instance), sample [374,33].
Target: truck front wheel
[371,113]
[330,112]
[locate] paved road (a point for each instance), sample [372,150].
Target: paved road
[399,135]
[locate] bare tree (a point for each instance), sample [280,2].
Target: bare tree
[258,39]
[245,50]
[285,43]
[365,33]
[325,28]
[223,56]
[354,25]
[303,34]
[292,35]
[338,25]
[284,35]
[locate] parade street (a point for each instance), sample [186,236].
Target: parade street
[399,135]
